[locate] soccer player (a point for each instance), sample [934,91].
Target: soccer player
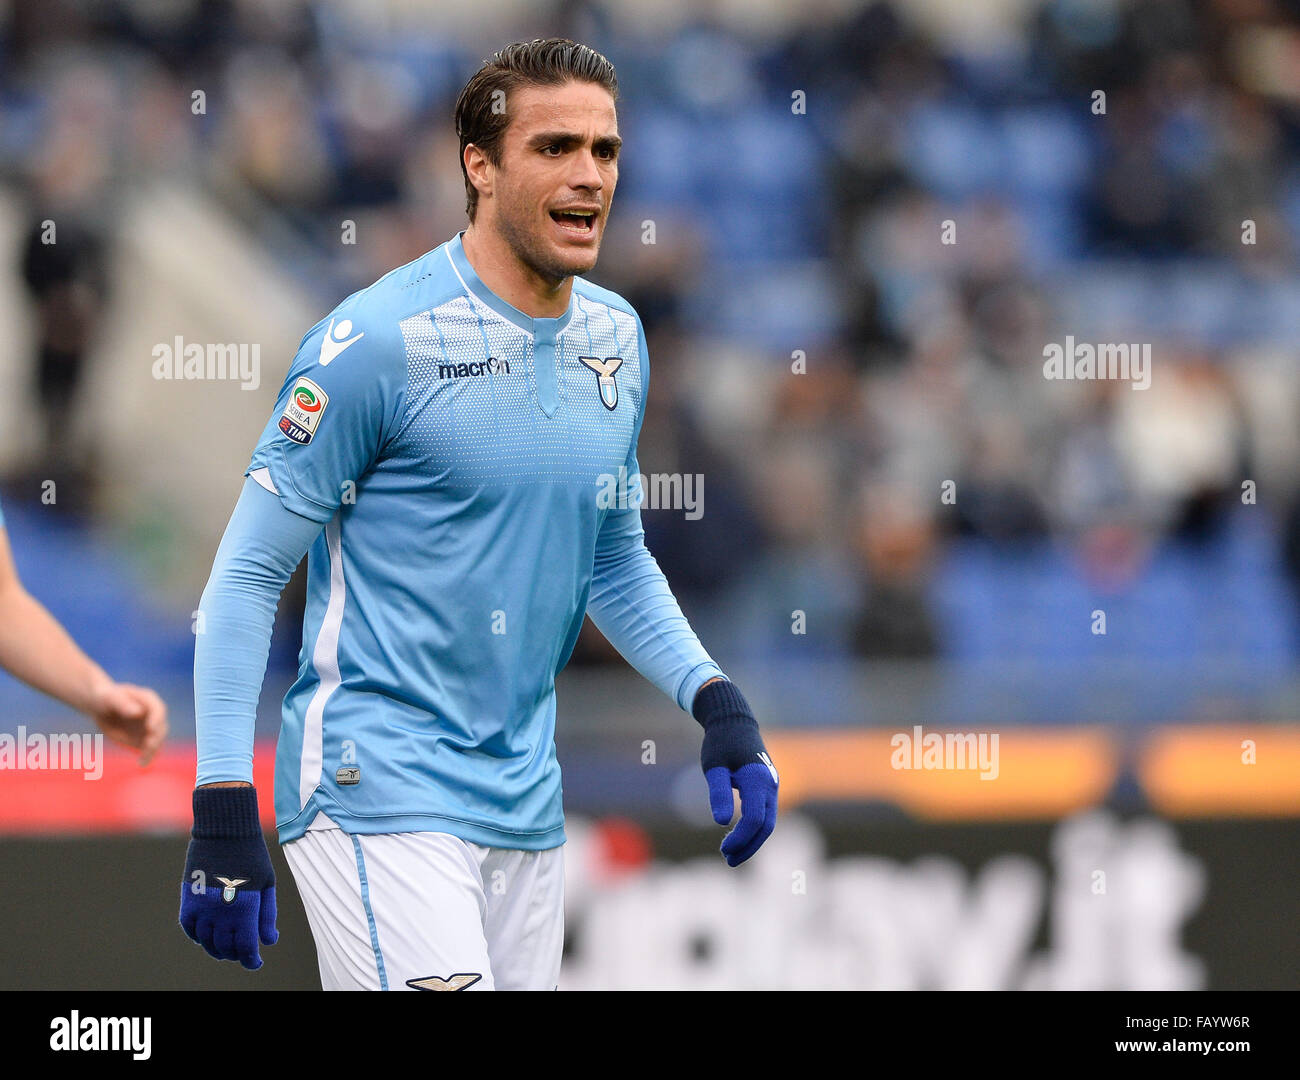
[441,445]
[37,650]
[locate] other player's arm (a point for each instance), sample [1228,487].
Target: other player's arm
[35,648]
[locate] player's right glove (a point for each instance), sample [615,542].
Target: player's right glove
[228,895]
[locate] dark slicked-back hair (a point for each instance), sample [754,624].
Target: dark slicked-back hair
[481,115]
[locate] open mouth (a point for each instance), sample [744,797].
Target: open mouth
[578,222]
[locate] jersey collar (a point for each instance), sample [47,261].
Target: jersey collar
[542,328]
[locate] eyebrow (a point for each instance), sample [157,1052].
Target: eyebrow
[566,140]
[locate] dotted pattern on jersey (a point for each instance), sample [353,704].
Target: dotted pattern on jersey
[488,429]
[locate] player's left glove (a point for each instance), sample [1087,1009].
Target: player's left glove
[733,756]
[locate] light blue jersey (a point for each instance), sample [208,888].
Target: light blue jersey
[456,451]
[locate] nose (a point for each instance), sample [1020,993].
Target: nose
[585,173]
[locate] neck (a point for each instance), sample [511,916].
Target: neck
[502,271]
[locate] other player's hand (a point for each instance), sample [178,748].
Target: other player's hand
[133,716]
[733,756]
[228,895]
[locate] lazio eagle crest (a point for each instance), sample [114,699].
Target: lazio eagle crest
[605,383]
[231,887]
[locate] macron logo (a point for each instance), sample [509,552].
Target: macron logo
[333,343]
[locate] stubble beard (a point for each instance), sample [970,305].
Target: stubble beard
[530,250]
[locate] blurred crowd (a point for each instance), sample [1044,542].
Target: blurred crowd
[867,227]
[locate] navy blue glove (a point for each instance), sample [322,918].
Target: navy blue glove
[228,895]
[733,756]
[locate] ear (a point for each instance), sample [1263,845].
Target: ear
[480,170]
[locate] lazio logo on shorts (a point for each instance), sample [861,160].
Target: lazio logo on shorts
[460,981]
[605,383]
[302,414]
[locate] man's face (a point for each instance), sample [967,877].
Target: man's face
[559,163]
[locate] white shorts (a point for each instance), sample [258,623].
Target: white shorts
[429,911]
